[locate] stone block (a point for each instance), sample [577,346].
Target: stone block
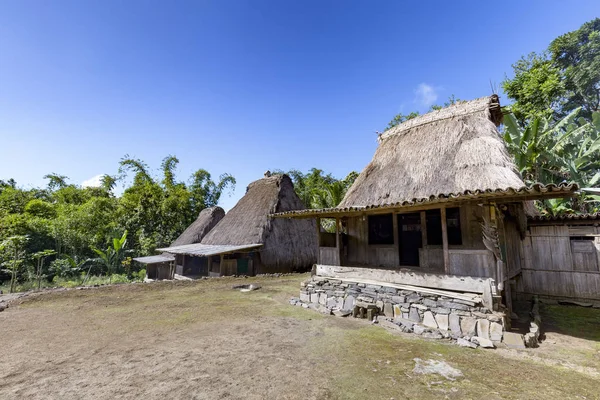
[379,305]
[314,298]
[530,340]
[365,299]
[398,299]
[387,310]
[432,335]
[453,305]
[413,298]
[513,340]
[429,303]
[465,343]
[413,315]
[348,303]
[340,304]
[397,311]
[404,322]
[331,302]
[304,297]
[404,315]
[468,325]
[429,320]
[419,329]
[454,322]
[372,313]
[440,310]
[442,321]
[390,290]
[342,313]
[420,307]
[483,342]
[374,288]
[322,299]
[495,317]
[483,328]
[496,332]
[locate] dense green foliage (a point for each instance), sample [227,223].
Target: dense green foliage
[319,190]
[563,78]
[68,232]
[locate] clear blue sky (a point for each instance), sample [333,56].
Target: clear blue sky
[243,86]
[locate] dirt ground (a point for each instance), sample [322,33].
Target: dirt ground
[203,340]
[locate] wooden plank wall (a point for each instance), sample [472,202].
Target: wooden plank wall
[513,248]
[555,264]
[329,256]
[472,263]
[462,260]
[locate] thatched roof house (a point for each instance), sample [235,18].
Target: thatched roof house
[440,206]
[164,266]
[286,244]
[452,150]
[207,219]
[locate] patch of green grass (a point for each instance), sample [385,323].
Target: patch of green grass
[582,322]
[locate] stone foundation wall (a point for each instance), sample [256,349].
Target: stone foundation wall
[422,313]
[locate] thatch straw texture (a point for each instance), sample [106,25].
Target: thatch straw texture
[447,151]
[287,243]
[207,219]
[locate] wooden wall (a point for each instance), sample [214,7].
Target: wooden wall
[555,262]
[469,259]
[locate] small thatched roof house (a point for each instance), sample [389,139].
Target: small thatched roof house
[441,206]
[207,219]
[164,266]
[248,241]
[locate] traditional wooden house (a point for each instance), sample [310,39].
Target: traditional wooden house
[438,214]
[165,266]
[248,242]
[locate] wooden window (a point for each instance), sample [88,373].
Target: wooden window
[433,220]
[381,229]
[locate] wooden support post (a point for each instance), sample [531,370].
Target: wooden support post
[221,272]
[423,229]
[338,242]
[318,240]
[445,241]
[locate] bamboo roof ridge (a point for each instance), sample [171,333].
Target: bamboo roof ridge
[457,149]
[207,219]
[285,242]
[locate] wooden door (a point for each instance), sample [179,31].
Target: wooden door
[409,235]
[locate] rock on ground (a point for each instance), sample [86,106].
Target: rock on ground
[436,367]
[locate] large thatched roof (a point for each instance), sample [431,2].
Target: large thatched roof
[207,219]
[449,151]
[286,242]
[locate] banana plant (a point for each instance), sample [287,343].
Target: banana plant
[113,256]
[566,151]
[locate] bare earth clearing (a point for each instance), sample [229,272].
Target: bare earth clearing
[203,340]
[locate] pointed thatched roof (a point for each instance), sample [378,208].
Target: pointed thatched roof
[286,243]
[207,219]
[449,151]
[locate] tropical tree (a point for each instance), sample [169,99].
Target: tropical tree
[113,256]
[14,249]
[563,78]
[39,258]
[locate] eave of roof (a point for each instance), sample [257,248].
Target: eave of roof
[161,258]
[533,192]
[206,250]
[566,217]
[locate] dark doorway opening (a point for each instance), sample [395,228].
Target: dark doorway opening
[409,234]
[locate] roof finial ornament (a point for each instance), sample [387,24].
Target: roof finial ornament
[267,174]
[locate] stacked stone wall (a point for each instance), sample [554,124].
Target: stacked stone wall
[427,314]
